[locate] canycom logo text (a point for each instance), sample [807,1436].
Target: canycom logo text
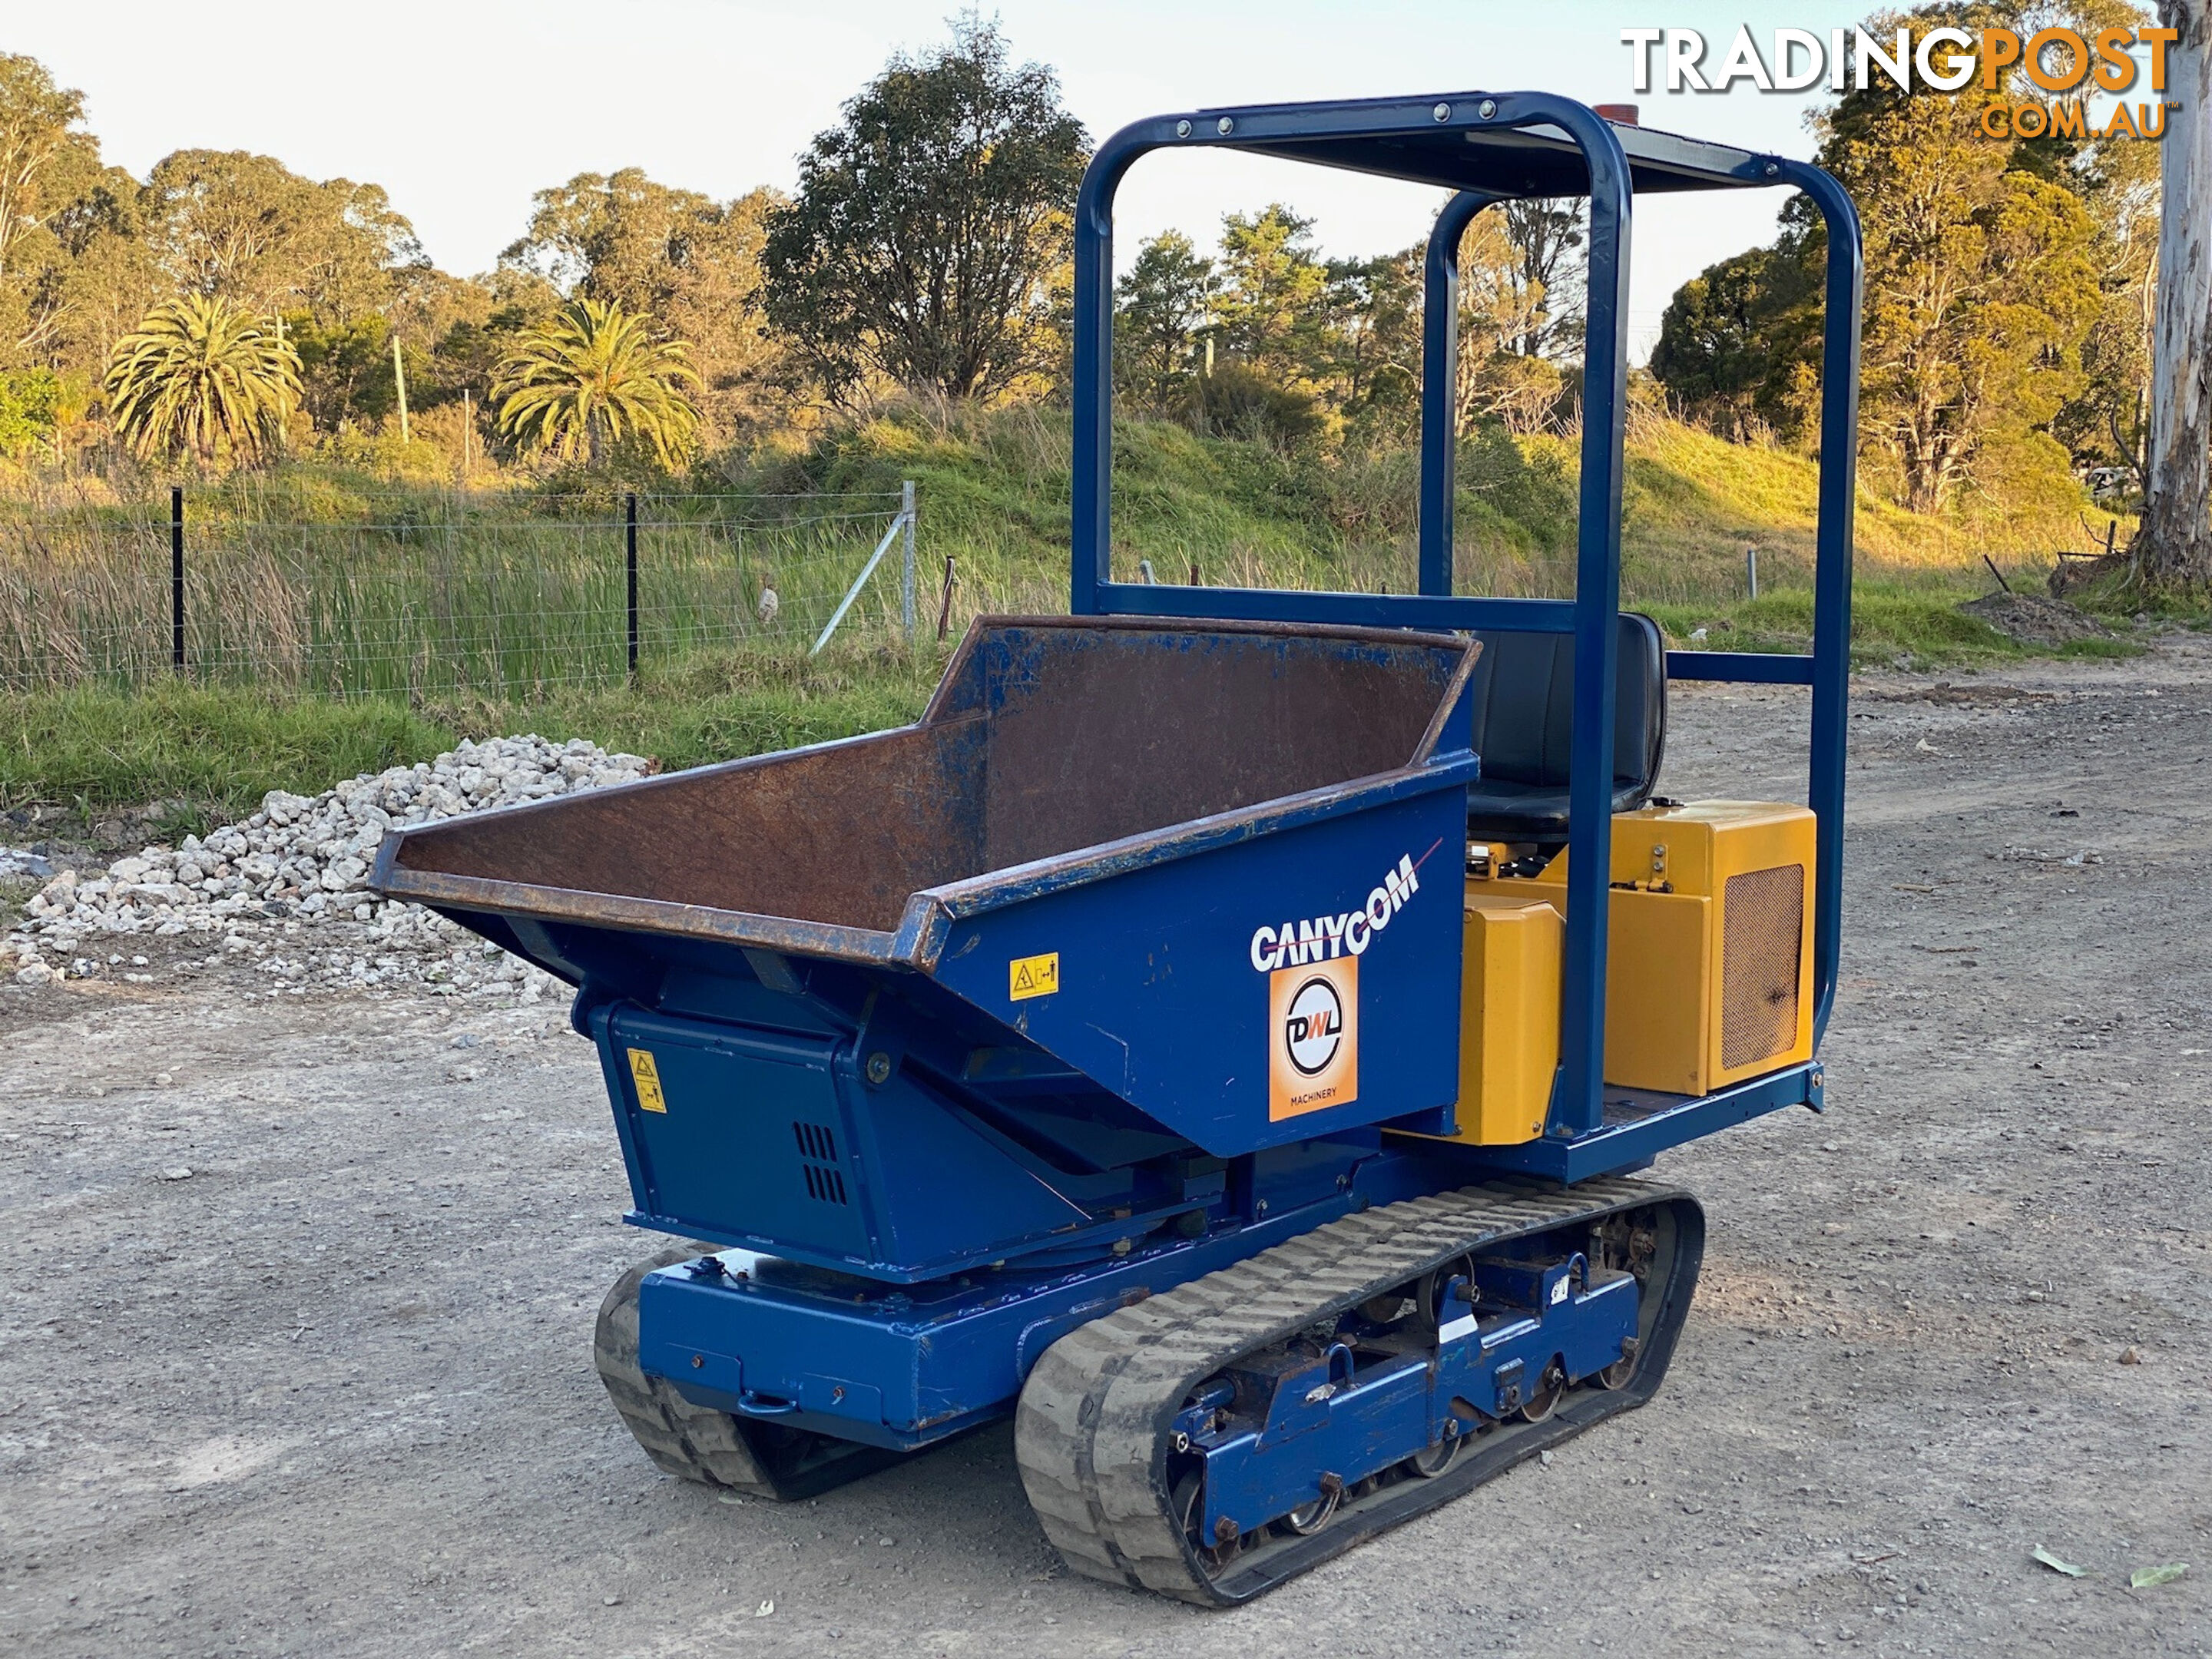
[1323,939]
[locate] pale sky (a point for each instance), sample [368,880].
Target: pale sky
[462,108]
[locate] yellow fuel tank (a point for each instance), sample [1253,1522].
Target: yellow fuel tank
[1509,1028]
[1709,964]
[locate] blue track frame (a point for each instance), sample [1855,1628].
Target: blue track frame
[1491,146]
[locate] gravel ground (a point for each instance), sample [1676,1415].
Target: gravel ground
[330,1391]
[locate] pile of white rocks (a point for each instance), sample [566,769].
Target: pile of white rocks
[286,890]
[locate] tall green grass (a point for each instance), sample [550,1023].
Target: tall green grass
[1909,620]
[209,753]
[425,594]
[434,619]
[308,581]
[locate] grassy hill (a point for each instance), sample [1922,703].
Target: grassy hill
[994,490]
[993,494]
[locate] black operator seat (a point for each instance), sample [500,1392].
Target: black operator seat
[1524,691]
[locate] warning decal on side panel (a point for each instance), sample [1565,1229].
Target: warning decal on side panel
[1312,1038]
[647,1076]
[1033,976]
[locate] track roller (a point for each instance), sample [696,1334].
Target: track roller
[1350,1379]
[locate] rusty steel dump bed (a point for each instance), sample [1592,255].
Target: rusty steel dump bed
[1047,738]
[1120,803]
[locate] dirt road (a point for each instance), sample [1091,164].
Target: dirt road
[331,1392]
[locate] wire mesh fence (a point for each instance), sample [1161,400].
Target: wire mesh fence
[422,595]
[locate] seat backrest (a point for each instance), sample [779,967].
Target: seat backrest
[1524,693]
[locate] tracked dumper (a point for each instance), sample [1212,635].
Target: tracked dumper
[1223,1032]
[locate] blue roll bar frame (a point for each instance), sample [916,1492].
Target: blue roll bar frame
[1486,148]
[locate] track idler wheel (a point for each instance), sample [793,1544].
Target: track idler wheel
[1310,1518]
[1215,1556]
[1617,1374]
[1545,1400]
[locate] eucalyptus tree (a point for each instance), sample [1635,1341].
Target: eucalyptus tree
[931,238]
[2177,524]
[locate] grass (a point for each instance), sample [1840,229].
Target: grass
[423,595]
[504,617]
[1906,620]
[209,753]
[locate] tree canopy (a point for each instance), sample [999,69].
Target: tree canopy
[72,273]
[927,249]
[1301,345]
[1164,308]
[594,378]
[37,126]
[929,242]
[246,229]
[690,261]
[1988,265]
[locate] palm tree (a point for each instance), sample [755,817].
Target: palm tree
[592,376]
[199,374]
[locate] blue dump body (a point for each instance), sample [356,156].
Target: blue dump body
[1011,986]
[975,1051]
[986,984]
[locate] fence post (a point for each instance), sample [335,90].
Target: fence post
[906,583]
[859,582]
[1750,571]
[177,578]
[629,550]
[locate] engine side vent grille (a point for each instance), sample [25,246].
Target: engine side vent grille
[824,1180]
[1760,943]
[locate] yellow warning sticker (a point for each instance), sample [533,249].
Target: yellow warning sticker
[1033,976]
[647,1076]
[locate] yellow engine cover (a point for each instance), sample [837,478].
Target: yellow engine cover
[1710,982]
[1709,964]
[1509,1029]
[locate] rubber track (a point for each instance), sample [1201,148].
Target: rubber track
[698,1442]
[1089,1427]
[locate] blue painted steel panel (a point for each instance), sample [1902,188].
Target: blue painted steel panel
[749,1126]
[1740,667]
[945,1354]
[774,1142]
[1331,1417]
[943,1188]
[1168,975]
